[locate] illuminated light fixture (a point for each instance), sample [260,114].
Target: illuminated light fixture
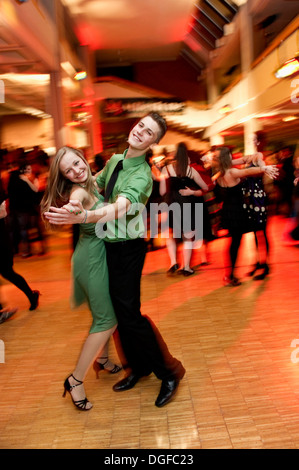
[290,67]
[73,123]
[267,115]
[80,75]
[225,109]
[290,118]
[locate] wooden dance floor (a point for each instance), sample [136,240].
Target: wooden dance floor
[238,345]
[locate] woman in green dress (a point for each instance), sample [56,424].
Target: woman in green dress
[70,178]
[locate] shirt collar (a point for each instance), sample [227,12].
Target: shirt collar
[130,162]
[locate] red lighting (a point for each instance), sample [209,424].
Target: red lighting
[87,37]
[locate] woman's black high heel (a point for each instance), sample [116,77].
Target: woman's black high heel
[173,269]
[80,404]
[98,366]
[256,267]
[34,300]
[263,274]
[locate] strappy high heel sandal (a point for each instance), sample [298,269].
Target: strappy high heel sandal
[80,404]
[255,268]
[263,274]
[98,366]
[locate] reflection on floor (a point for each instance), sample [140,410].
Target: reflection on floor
[241,388]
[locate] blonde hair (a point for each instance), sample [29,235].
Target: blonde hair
[58,188]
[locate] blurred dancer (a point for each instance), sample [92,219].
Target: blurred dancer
[22,193]
[230,190]
[181,183]
[6,258]
[5,313]
[256,207]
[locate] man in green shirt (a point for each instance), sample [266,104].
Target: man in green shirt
[143,346]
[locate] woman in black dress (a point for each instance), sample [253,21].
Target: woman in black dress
[229,189]
[256,203]
[181,184]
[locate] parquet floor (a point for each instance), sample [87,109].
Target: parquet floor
[241,388]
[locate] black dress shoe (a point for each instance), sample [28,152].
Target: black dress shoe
[127,383]
[168,389]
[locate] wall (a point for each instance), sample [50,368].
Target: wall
[176,78]
[172,138]
[25,131]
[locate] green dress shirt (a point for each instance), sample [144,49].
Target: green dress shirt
[134,183]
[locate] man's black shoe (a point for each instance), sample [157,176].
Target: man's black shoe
[168,389]
[127,383]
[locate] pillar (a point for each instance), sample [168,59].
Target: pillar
[251,127]
[57,109]
[216,140]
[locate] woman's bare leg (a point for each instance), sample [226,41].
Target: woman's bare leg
[94,343]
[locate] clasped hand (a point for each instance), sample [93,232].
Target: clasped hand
[70,213]
[186,192]
[272,171]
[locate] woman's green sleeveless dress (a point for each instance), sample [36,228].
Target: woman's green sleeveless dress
[90,276]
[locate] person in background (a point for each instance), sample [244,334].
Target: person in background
[229,189]
[155,198]
[181,184]
[256,207]
[6,260]
[198,162]
[5,313]
[23,209]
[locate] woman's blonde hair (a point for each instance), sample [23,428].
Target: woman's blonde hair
[58,188]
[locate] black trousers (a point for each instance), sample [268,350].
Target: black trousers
[142,344]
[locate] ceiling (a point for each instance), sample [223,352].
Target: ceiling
[122,33]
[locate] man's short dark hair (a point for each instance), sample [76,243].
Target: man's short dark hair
[161,123]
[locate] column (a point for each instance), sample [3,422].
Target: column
[216,140]
[246,38]
[250,128]
[211,85]
[247,56]
[57,109]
